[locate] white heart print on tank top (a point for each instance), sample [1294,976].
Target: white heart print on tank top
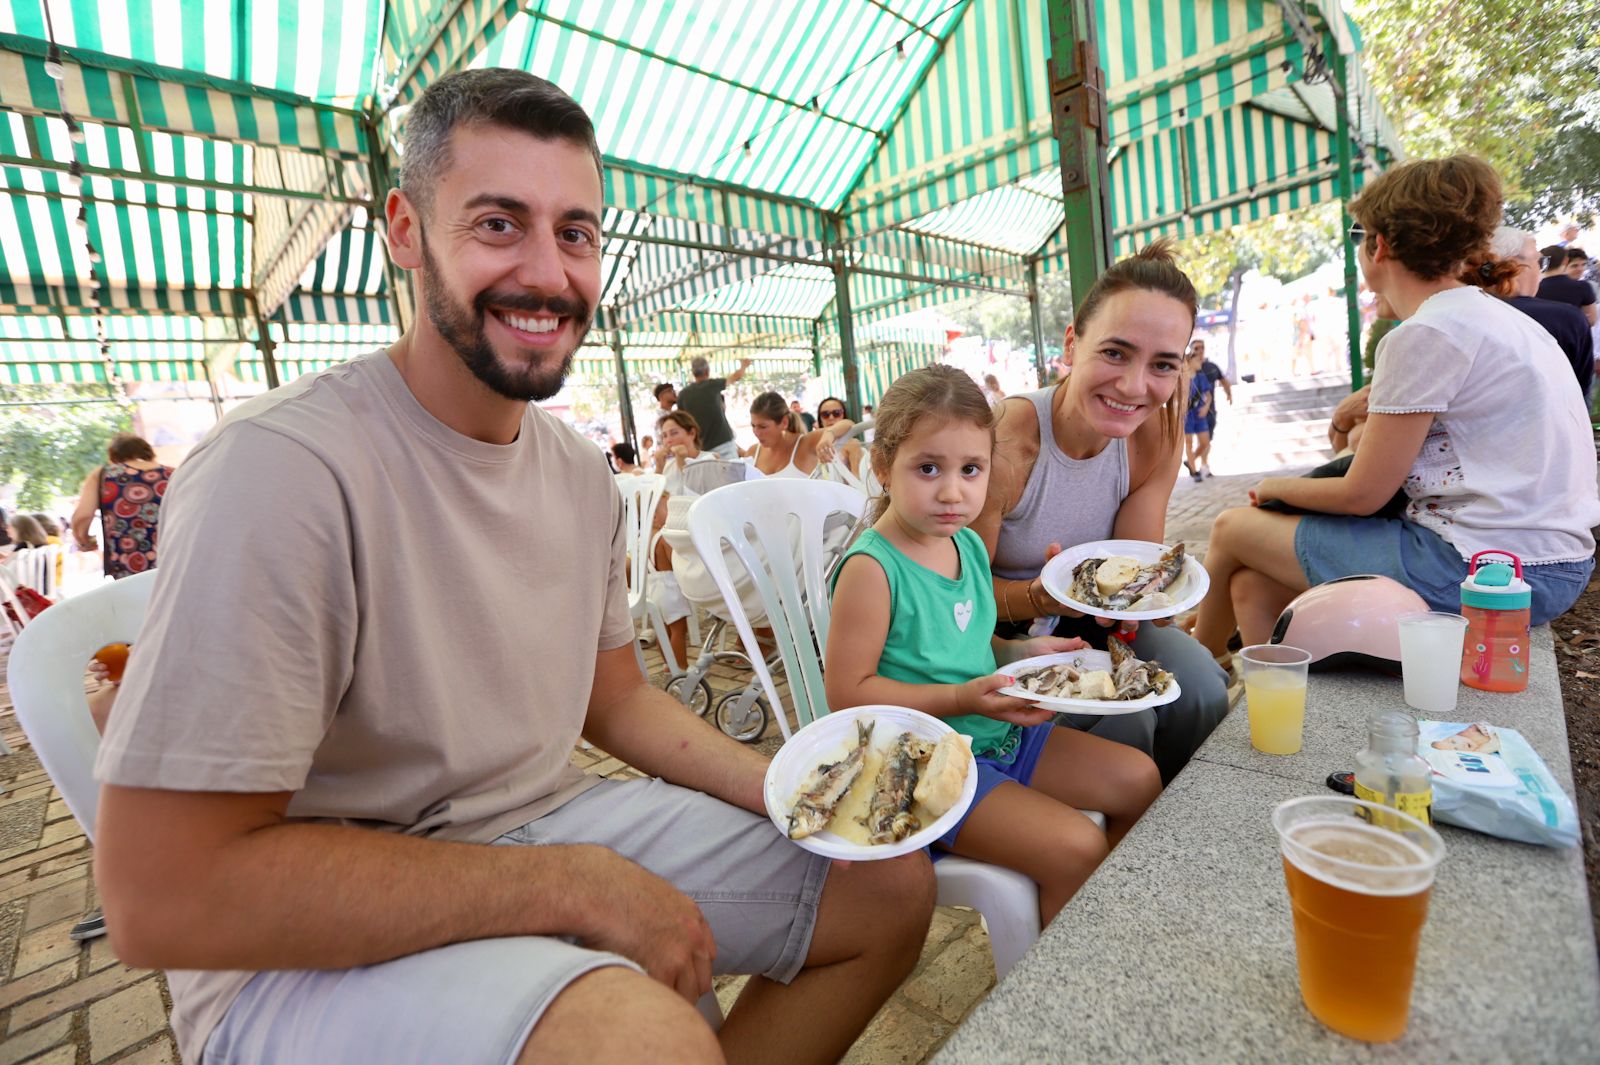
[963,615]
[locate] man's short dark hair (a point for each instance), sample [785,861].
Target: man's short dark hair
[493,96]
[1553,255]
[655,393]
[1576,254]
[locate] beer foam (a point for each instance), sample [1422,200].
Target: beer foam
[1348,853]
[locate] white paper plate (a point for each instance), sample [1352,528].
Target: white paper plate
[1187,591]
[827,739]
[1090,660]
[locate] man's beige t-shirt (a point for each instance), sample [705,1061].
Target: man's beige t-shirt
[359,605]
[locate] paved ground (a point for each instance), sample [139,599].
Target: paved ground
[66,1004]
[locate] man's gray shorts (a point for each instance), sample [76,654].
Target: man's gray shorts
[475,1003]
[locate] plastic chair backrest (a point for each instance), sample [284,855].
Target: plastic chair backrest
[755,519]
[36,568]
[702,477]
[46,680]
[869,479]
[640,494]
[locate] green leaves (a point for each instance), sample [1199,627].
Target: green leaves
[51,446]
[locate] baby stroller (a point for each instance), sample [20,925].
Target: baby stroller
[742,714]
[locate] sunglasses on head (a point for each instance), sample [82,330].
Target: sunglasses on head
[1358,233]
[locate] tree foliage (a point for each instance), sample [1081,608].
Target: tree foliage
[1285,246]
[1510,81]
[49,449]
[1010,318]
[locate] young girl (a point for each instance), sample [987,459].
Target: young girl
[913,624]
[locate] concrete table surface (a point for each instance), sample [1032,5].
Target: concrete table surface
[1181,947]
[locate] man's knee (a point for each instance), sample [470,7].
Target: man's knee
[617,1014]
[900,892]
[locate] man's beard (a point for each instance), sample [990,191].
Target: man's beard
[465,331]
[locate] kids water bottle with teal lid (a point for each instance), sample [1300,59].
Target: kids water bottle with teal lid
[1495,600]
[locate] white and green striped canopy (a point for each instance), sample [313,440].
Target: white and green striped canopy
[233,157]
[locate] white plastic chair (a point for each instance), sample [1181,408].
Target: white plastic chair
[640,494]
[46,679]
[755,520]
[35,567]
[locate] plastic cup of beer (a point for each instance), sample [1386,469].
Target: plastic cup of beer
[1360,896]
[1430,659]
[1275,696]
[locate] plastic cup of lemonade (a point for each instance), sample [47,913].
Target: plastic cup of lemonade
[1360,897]
[1275,696]
[1430,659]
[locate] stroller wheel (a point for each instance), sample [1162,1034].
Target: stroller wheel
[697,698]
[743,715]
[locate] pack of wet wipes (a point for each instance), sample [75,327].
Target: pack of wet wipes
[1489,779]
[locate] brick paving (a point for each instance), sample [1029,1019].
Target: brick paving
[63,1003]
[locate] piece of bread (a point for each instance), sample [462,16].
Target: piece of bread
[1477,739]
[941,783]
[1115,573]
[1096,684]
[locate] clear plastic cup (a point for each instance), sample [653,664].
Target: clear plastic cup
[1430,659]
[1275,696]
[1359,876]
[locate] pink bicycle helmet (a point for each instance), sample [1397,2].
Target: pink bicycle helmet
[1350,622]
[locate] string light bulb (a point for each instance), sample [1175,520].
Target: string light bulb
[816,104]
[52,63]
[749,149]
[74,131]
[94,256]
[900,50]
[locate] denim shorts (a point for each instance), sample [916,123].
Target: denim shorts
[476,1002]
[1333,546]
[992,772]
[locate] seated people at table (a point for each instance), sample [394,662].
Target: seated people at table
[1095,457]
[831,412]
[26,532]
[342,696]
[783,448]
[913,625]
[1472,412]
[1562,283]
[625,458]
[52,537]
[1511,272]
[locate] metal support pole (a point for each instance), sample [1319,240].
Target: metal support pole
[624,400]
[265,344]
[1346,182]
[1040,363]
[847,338]
[1078,116]
[211,383]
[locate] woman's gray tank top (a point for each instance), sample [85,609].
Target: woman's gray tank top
[1066,501]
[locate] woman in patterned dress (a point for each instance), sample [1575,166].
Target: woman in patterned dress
[127,492]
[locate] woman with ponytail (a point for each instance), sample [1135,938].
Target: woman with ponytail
[783,447]
[1472,412]
[1094,458]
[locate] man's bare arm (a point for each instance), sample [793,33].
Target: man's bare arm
[216,880]
[652,732]
[738,375]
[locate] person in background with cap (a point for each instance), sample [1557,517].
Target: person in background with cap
[703,400]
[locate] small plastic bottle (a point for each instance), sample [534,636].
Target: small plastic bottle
[1496,601]
[1389,771]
